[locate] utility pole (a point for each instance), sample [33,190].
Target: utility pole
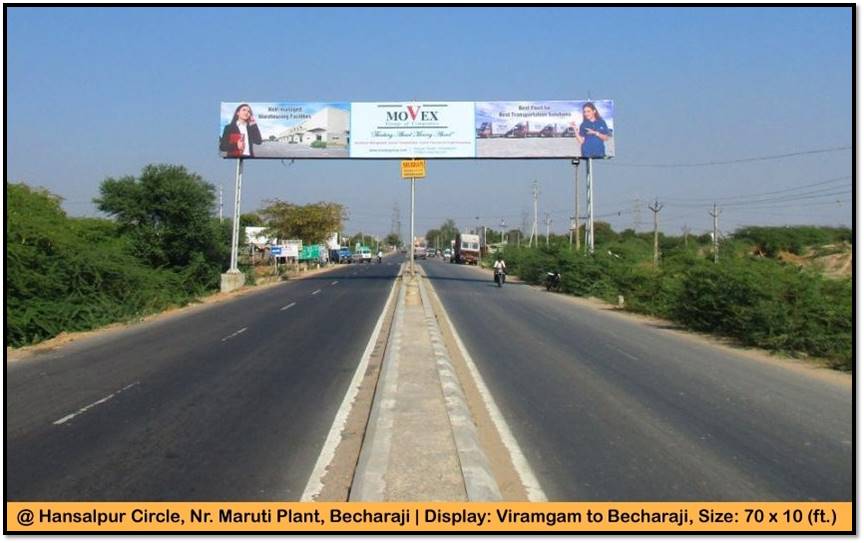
[716,214]
[656,209]
[535,191]
[503,226]
[548,223]
[686,230]
[221,205]
[518,239]
[576,214]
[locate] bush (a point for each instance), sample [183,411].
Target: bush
[759,302]
[68,274]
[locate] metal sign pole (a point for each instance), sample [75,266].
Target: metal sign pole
[412,226]
[576,213]
[589,230]
[235,231]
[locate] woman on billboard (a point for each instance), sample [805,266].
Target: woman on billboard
[593,132]
[240,134]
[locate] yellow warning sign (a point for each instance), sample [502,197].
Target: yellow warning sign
[412,169]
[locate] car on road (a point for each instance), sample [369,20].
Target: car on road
[364,254]
[448,254]
[430,253]
[345,255]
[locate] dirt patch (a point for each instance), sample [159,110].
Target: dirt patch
[834,260]
[64,338]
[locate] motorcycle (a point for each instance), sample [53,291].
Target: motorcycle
[379,259]
[553,281]
[499,277]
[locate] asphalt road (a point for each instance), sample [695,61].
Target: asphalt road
[605,408]
[229,402]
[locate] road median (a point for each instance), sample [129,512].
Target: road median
[421,443]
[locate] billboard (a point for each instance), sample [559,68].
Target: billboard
[284,130]
[412,129]
[550,129]
[418,130]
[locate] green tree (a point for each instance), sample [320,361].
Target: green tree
[70,274]
[393,240]
[312,223]
[448,231]
[433,237]
[167,213]
[251,219]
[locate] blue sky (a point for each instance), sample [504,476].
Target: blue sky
[101,92]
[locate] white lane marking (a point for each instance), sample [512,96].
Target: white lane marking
[523,468]
[237,333]
[289,306]
[625,353]
[71,416]
[335,283]
[328,451]
[316,292]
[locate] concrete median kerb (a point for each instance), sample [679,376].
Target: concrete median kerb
[421,441]
[480,484]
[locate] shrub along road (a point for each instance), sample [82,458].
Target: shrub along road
[607,408]
[230,402]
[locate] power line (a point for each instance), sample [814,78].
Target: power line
[731,161]
[750,195]
[789,198]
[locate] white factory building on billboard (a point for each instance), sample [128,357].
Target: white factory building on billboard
[330,125]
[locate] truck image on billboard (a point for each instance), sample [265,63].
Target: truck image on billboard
[550,129]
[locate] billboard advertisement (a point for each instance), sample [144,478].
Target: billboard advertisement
[412,129]
[418,130]
[284,130]
[550,129]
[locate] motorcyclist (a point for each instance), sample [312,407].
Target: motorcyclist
[380,254]
[500,267]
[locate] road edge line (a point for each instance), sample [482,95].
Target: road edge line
[369,481]
[315,484]
[520,463]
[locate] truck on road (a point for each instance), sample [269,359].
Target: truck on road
[419,248]
[466,249]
